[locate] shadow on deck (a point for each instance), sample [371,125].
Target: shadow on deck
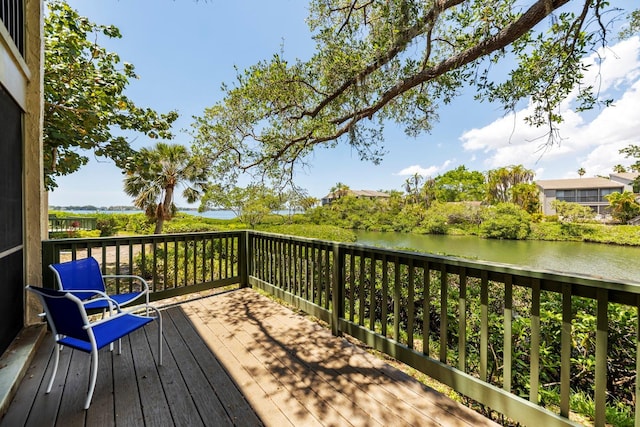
[236,358]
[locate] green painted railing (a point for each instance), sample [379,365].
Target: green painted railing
[481,328]
[71,223]
[173,264]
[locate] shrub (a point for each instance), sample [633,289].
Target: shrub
[505,221]
[107,225]
[434,225]
[325,232]
[573,212]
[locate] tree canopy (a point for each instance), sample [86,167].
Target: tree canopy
[460,184]
[633,151]
[380,61]
[250,204]
[84,101]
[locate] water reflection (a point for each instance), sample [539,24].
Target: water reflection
[594,259]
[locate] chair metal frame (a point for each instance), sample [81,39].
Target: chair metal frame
[72,328]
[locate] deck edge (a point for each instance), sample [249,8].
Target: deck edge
[15,361]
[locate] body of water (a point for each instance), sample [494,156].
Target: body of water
[593,259]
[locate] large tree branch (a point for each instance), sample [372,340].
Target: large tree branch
[536,13]
[404,38]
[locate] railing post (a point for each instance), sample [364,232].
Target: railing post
[602,331]
[244,262]
[337,290]
[49,256]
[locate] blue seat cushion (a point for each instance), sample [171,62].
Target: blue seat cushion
[108,332]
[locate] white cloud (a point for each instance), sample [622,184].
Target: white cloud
[600,160]
[619,65]
[417,169]
[593,144]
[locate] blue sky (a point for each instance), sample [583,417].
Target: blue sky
[183,50]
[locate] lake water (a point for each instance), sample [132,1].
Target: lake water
[594,259]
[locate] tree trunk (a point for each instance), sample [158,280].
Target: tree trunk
[164,209]
[168,203]
[159,218]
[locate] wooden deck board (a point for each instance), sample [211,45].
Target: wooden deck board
[74,390]
[152,397]
[272,405]
[128,409]
[195,379]
[235,358]
[229,395]
[332,403]
[29,394]
[100,412]
[46,406]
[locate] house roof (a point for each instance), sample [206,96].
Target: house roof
[577,183]
[359,193]
[370,193]
[629,176]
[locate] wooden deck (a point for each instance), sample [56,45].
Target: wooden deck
[235,358]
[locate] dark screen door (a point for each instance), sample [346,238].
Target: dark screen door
[11,244]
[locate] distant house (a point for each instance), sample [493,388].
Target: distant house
[626,178]
[585,191]
[358,194]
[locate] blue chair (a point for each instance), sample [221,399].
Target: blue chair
[84,279]
[71,327]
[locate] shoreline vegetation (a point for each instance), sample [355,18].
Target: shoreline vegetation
[323,223]
[92,208]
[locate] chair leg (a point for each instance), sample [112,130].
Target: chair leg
[94,376]
[104,312]
[56,350]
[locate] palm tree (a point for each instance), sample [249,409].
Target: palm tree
[623,206]
[581,172]
[155,173]
[339,190]
[501,180]
[412,187]
[619,169]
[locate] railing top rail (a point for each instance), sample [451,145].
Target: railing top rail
[71,217]
[99,241]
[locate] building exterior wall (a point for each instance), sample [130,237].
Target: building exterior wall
[592,197]
[547,197]
[35,197]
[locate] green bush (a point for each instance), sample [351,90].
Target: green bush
[433,225]
[108,225]
[573,212]
[325,232]
[138,224]
[505,221]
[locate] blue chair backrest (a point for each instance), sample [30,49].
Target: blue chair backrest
[65,311]
[80,274]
